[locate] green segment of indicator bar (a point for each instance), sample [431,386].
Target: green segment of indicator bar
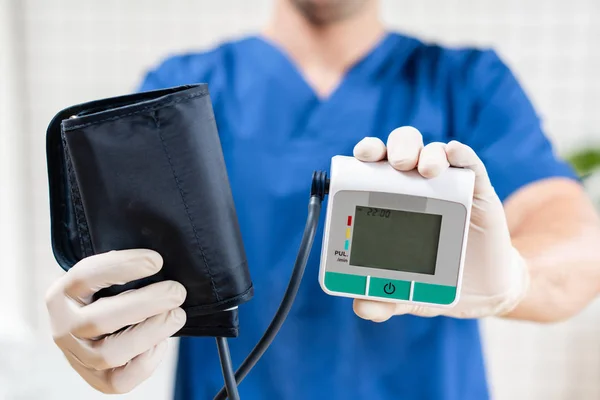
[344,283]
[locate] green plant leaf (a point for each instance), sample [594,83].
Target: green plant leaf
[585,161]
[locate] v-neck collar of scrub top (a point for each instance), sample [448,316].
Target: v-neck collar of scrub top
[277,64]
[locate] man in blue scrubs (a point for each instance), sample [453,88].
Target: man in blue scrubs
[320,77]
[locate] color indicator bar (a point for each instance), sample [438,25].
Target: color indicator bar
[348,232]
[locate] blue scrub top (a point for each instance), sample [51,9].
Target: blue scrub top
[275,131]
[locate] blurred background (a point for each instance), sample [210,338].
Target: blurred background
[55,53]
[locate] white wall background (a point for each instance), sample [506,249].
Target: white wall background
[54,53]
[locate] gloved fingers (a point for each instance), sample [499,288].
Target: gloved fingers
[403,147]
[124,379]
[118,349]
[418,310]
[370,149]
[376,311]
[96,379]
[433,160]
[109,314]
[113,268]
[461,155]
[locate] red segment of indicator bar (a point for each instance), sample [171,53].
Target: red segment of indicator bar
[349,220]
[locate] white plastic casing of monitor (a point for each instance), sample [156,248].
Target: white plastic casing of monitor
[355,183]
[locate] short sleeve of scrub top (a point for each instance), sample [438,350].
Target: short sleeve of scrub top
[496,118]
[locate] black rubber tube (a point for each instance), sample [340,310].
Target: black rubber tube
[227,368]
[310,229]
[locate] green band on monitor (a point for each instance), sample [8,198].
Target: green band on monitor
[345,283]
[436,294]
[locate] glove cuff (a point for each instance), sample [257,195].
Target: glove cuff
[518,291]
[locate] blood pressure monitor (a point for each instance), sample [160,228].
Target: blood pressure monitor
[395,236]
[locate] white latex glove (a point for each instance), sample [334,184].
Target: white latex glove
[495,277]
[89,334]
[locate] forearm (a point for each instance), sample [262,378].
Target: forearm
[564,276]
[560,241]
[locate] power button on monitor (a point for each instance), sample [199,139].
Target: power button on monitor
[389,288]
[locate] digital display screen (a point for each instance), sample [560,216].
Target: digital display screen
[395,240]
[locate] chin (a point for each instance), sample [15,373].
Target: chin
[322,12]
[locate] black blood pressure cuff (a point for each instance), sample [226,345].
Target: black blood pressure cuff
[147,171]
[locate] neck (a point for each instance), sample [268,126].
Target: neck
[323,53]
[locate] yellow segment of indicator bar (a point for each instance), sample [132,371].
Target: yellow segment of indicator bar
[348,233]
